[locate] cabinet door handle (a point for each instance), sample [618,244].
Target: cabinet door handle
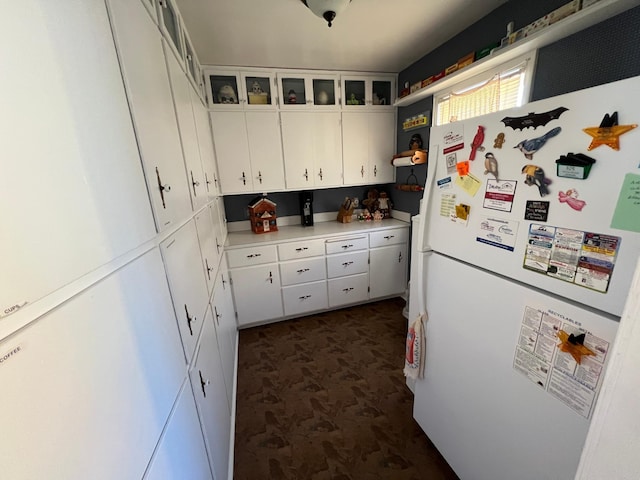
[302,270]
[399,257]
[347,289]
[206,180]
[217,246]
[215,309]
[347,246]
[375,170]
[244,179]
[389,237]
[259,177]
[306,175]
[215,179]
[304,297]
[320,174]
[270,277]
[194,184]
[301,249]
[362,171]
[206,262]
[162,188]
[190,319]
[254,255]
[203,383]
[346,264]
[224,282]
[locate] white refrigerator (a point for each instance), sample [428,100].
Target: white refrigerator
[524,259]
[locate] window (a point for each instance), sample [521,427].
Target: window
[504,87]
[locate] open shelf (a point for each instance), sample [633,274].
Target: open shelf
[580,20]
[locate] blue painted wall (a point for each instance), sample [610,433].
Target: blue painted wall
[604,53]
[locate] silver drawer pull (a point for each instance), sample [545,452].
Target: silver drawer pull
[254,255]
[301,249]
[347,246]
[389,237]
[304,297]
[346,264]
[302,270]
[347,289]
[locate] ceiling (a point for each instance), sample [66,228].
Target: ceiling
[370,35]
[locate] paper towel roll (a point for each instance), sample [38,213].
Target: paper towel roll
[402,162]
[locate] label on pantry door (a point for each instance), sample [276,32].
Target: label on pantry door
[557,372]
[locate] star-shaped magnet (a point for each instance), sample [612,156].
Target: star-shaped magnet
[608,133]
[574,345]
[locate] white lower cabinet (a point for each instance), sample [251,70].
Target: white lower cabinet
[256,293]
[181,453]
[89,386]
[207,380]
[356,264]
[348,290]
[307,297]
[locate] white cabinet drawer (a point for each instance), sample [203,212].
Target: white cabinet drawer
[348,244]
[346,290]
[347,264]
[301,271]
[305,298]
[244,257]
[388,237]
[301,249]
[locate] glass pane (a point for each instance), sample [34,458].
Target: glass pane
[224,88]
[258,90]
[293,91]
[354,92]
[171,23]
[381,94]
[323,92]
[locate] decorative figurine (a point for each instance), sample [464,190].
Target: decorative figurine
[491,165]
[570,197]
[499,140]
[371,202]
[476,143]
[529,147]
[534,175]
[377,216]
[533,119]
[608,133]
[384,205]
[227,94]
[256,88]
[415,150]
[352,100]
[322,98]
[292,98]
[378,99]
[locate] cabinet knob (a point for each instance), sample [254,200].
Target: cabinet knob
[346,264]
[362,171]
[270,277]
[304,297]
[347,289]
[244,179]
[254,255]
[302,270]
[347,246]
[259,177]
[320,174]
[375,170]
[306,175]
[388,237]
[301,249]
[400,257]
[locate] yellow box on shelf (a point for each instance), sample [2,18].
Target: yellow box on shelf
[416,122]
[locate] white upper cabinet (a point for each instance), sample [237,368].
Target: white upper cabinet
[317,91]
[182,99]
[362,92]
[240,90]
[73,194]
[193,69]
[312,145]
[151,6]
[368,140]
[147,83]
[170,24]
[205,145]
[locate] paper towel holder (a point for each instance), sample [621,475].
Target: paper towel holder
[409,158]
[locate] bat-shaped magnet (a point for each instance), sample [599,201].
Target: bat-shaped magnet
[534,120]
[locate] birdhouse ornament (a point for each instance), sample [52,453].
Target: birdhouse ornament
[262,214]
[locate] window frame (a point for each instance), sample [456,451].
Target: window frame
[530,58]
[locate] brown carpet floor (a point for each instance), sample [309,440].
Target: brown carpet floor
[324,397]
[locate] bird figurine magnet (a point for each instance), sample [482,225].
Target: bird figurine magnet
[476,143]
[534,175]
[491,165]
[529,147]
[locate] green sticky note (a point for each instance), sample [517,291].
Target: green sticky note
[627,213]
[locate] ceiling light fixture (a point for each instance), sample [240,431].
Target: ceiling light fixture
[327,9]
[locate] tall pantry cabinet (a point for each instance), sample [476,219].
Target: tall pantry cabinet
[108,202]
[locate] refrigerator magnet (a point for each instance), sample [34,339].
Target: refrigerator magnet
[529,147]
[570,197]
[533,120]
[574,165]
[608,132]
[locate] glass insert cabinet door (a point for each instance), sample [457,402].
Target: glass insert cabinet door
[224,89]
[246,89]
[360,92]
[258,88]
[310,90]
[170,23]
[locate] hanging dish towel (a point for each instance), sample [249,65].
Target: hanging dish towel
[415,348]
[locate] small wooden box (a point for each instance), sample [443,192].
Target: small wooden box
[262,215]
